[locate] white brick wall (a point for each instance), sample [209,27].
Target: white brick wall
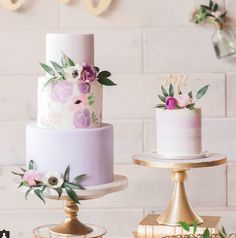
[139,41]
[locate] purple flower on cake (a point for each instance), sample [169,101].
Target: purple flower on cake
[61,91]
[84,87]
[88,74]
[183,100]
[31,177]
[53,179]
[171,103]
[82,119]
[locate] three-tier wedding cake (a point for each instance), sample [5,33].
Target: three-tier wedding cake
[69,128]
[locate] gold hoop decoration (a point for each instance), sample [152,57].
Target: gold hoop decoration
[102,6]
[63,1]
[10,6]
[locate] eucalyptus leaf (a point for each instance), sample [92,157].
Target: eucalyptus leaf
[104,74]
[194,227]
[206,233]
[202,92]
[24,170]
[72,195]
[39,194]
[18,174]
[184,225]
[171,91]
[190,94]
[162,98]
[73,185]
[222,235]
[67,174]
[23,183]
[164,91]
[160,106]
[79,178]
[51,80]
[59,192]
[224,231]
[58,68]
[48,69]
[27,193]
[211,4]
[71,62]
[106,81]
[64,60]
[191,106]
[31,165]
[215,7]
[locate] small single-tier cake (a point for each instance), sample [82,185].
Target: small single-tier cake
[178,132]
[69,129]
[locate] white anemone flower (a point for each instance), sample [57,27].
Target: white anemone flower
[73,73]
[53,179]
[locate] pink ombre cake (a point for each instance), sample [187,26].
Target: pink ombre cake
[69,128]
[178,132]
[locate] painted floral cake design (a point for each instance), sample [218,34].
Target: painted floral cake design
[70,96]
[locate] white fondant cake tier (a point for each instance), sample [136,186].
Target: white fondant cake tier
[62,105]
[79,47]
[178,132]
[87,151]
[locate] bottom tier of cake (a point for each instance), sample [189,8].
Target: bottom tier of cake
[86,151]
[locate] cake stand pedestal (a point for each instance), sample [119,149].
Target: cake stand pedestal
[179,208]
[72,227]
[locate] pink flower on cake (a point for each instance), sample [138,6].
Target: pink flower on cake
[171,103]
[183,100]
[88,74]
[31,176]
[82,119]
[84,87]
[61,91]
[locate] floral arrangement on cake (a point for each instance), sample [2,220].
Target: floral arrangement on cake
[179,100]
[210,14]
[35,182]
[69,71]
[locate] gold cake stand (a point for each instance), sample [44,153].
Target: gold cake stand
[72,227]
[179,208]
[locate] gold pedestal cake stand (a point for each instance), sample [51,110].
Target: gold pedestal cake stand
[179,208]
[72,227]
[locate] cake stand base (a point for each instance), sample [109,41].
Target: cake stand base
[150,228]
[45,232]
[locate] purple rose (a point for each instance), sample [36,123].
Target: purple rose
[84,87]
[82,119]
[61,91]
[88,74]
[171,103]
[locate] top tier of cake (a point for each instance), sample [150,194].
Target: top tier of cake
[69,103]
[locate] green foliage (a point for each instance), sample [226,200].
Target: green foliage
[162,98]
[171,90]
[31,165]
[202,92]
[185,225]
[67,174]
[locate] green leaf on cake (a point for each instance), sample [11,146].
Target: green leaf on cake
[67,174]
[206,233]
[162,98]
[48,69]
[18,174]
[73,185]
[191,106]
[71,62]
[97,69]
[64,60]
[59,192]
[202,92]
[106,81]
[31,165]
[224,231]
[160,106]
[79,178]
[39,194]
[24,170]
[51,80]
[184,225]
[164,91]
[104,74]
[22,184]
[171,91]
[190,94]
[58,68]
[72,195]
[194,227]
[27,193]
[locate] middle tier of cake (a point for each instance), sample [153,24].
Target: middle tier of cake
[86,151]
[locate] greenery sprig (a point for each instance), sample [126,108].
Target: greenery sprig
[210,14]
[55,182]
